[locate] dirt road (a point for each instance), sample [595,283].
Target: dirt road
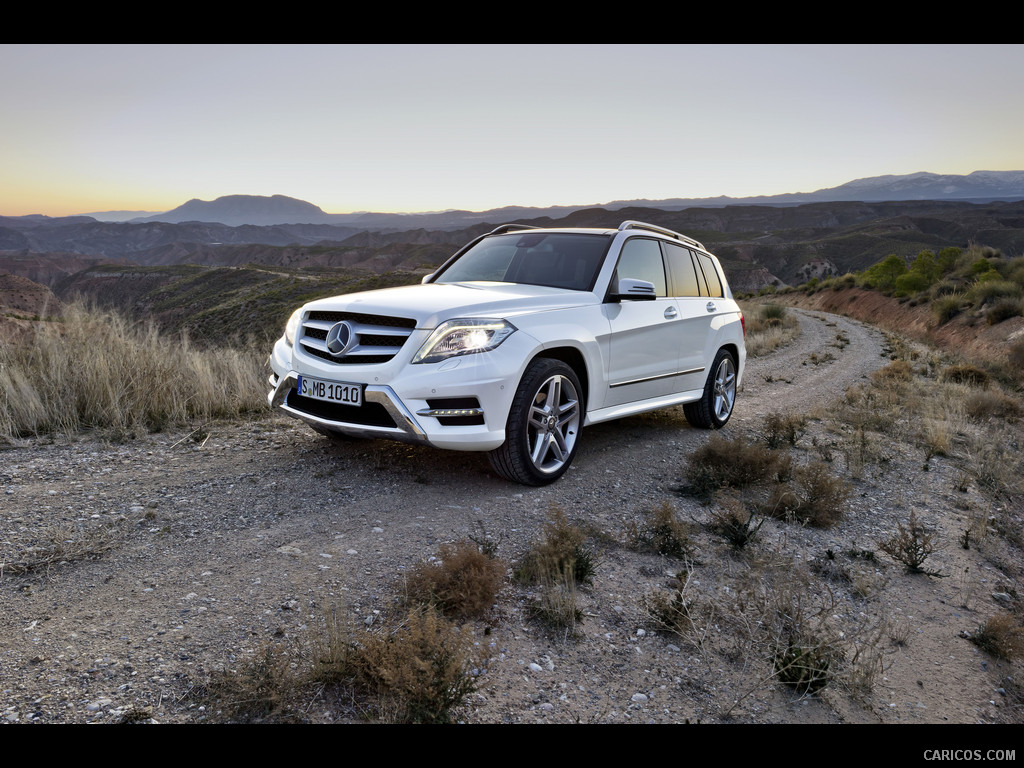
[208,546]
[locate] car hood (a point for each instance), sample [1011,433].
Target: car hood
[434,303]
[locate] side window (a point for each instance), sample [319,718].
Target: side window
[711,274]
[641,260]
[684,278]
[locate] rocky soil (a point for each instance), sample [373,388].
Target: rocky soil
[184,554]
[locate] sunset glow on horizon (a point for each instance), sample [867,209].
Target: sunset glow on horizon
[396,128]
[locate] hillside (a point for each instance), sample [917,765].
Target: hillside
[216,304]
[967,335]
[759,245]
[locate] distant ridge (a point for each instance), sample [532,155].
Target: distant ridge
[239,210]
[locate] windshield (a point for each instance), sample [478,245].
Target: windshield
[555,259]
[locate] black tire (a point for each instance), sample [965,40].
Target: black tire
[716,405]
[541,436]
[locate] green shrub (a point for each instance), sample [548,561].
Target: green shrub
[947,307]
[991,288]
[883,275]
[1004,309]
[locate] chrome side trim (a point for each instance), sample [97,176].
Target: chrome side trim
[656,378]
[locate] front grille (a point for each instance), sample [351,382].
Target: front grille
[378,338]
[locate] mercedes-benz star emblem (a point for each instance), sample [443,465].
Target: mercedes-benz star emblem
[340,338]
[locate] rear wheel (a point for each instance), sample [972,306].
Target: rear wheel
[715,406]
[542,432]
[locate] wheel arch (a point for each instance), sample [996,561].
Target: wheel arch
[574,359]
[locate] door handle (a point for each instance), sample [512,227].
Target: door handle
[670,313]
[711,306]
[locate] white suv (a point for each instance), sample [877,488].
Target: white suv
[518,341]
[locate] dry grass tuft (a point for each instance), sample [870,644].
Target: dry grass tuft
[96,370]
[420,672]
[60,545]
[814,496]
[1002,636]
[732,463]
[562,549]
[462,583]
[662,531]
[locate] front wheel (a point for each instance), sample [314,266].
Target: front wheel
[716,403]
[542,432]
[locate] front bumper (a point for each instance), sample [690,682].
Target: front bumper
[460,404]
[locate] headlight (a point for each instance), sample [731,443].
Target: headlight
[463,337]
[292,327]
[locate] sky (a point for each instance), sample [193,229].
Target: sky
[411,128]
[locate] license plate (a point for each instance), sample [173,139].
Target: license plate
[331,391]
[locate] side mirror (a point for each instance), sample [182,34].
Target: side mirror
[631,289]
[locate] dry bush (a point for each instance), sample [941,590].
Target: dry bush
[562,549]
[788,618]
[779,430]
[662,532]
[896,371]
[732,463]
[95,369]
[814,496]
[995,459]
[420,673]
[911,545]
[991,403]
[263,689]
[769,327]
[60,545]
[463,583]
[1002,636]
[556,604]
[966,374]
[734,522]
[676,612]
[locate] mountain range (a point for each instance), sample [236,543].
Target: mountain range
[239,210]
[213,266]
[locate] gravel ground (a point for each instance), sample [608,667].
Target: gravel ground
[185,554]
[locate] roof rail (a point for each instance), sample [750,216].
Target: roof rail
[507,227]
[630,224]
